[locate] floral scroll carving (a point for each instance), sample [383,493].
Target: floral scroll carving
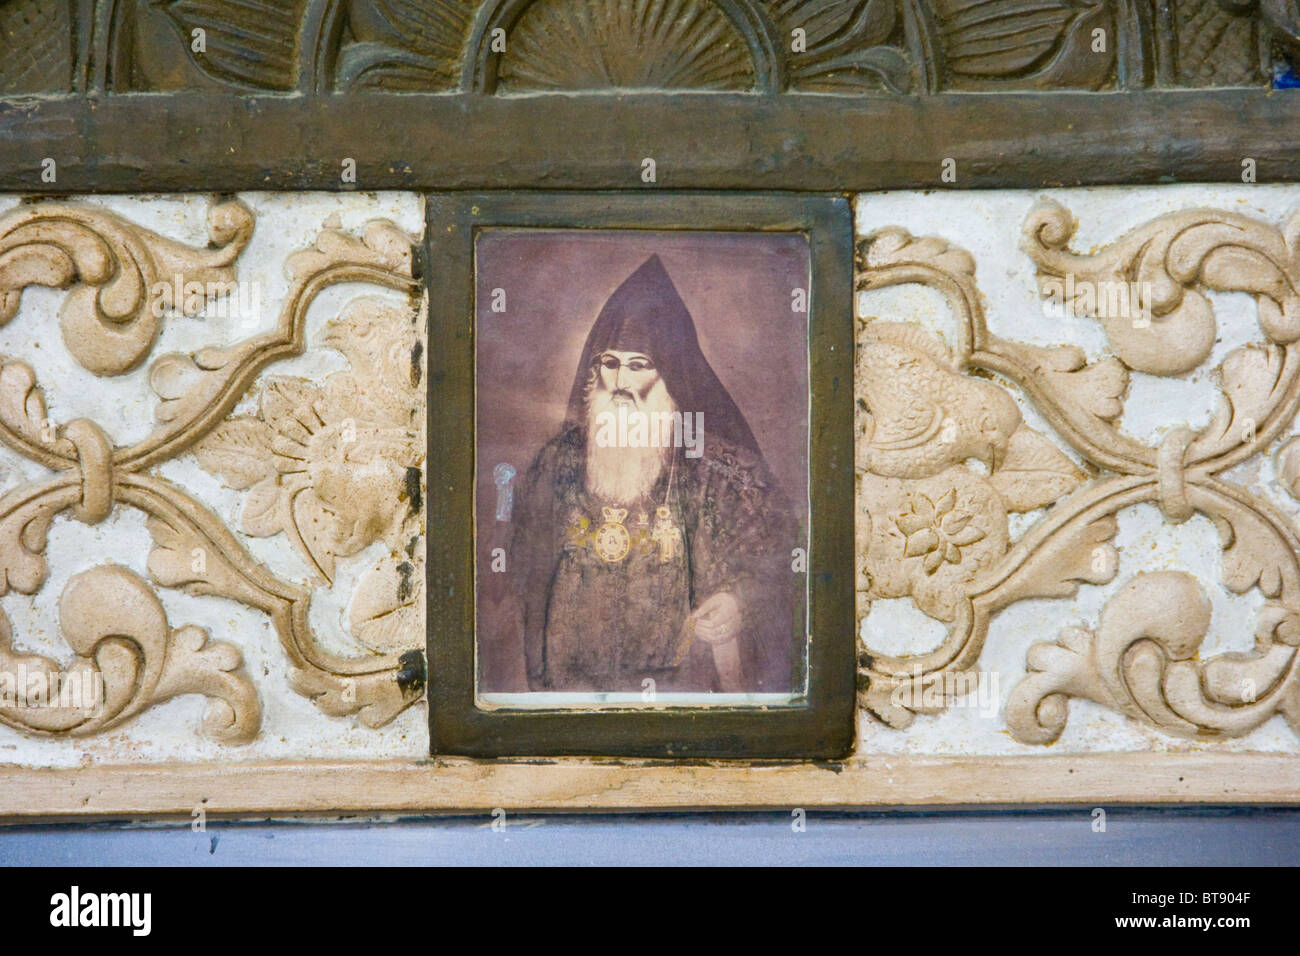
[109,319]
[1141,662]
[131,657]
[943,458]
[336,466]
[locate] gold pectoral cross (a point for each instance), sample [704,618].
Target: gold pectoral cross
[667,534]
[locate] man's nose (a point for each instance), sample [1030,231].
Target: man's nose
[620,381]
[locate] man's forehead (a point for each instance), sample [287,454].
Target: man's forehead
[623,356]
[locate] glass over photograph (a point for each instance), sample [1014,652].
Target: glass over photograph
[642,410]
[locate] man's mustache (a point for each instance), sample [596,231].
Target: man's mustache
[623,393]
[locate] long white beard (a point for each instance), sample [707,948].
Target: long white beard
[625,475]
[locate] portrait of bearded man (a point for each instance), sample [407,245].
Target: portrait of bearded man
[668,559]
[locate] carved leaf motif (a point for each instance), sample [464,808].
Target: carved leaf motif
[226,571]
[1252,383]
[1253,556]
[1236,678]
[1141,662]
[22,408]
[375,697]
[251,43]
[405,45]
[1060,563]
[239,451]
[826,21]
[118,274]
[1004,38]
[314,528]
[25,516]
[123,643]
[893,246]
[1095,390]
[1034,473]
[847,44]
[385,613]
[1143,287]
[433,27]
[261,516]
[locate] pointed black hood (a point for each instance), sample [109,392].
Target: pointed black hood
[646,314]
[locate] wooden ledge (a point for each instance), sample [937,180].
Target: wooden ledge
[30,795]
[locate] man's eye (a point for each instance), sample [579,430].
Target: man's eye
[637,365]
[610,363]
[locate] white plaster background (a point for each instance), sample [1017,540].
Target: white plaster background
[987,224]
[124,406]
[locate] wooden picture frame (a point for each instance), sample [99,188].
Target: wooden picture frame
[819,727]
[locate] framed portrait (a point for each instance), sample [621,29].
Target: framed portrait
[644,545]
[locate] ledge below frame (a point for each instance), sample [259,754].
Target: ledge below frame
[33,795]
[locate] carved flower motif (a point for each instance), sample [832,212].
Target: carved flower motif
[931,518]
[930,537]
[936,531]
[336,467]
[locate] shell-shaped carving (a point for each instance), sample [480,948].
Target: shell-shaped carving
[625,44]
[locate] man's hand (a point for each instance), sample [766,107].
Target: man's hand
[717,620]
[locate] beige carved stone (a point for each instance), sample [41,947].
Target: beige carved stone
[335,466]
[128,658]
[111,269]
[943,457]
[1174,259]
[1142,662]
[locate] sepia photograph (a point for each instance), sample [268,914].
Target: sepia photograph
[642,491]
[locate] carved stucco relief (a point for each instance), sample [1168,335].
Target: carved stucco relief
[1013,453]
[238,428]
[772,46]
[220,510]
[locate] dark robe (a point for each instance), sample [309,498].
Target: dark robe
[592,624]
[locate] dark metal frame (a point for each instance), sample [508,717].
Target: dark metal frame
[821,727]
